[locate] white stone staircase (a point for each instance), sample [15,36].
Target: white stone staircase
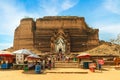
[61,64]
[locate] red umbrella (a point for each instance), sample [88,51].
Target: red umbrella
[6,53]
[83,55]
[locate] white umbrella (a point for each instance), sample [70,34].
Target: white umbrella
[23,51]
[33,56]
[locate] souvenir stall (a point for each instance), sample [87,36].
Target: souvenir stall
[84,60]
[33,60]
[21,56]
[6,59]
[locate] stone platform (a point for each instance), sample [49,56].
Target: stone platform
[60,71]
[68,71]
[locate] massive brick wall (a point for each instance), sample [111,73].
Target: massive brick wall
[23,37]
[81,36]
[38,34]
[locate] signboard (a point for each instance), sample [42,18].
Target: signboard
[19,58]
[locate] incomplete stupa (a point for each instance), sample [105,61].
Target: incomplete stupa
[55,34]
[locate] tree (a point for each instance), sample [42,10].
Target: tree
[118,39]
[117,42]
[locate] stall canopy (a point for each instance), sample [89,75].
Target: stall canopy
[33,56]
[83,55]
[6,53]
[23,51]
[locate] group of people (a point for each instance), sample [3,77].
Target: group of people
[97,64]
[46,63]
[49,61]
[62,57]
[7,62]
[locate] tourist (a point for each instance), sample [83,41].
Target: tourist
[67,58]
[31,65]
[38,68]
[53,62]
[63,57]
[43,64]
[25,61]
[100,63]
[49,63]
[57,57]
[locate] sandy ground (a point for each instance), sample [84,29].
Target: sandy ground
[107,74]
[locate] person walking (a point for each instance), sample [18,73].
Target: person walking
[43,64]
[100,63]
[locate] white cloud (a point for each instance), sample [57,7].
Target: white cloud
[107,31]
[111,28]
[11,14]
[68,4]
[112,6]
[54,7]
[106,18]
[10,17]
[5,45]
[106,8]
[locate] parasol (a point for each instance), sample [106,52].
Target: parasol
[83,55]
[23,51]
[6,53]
[33,56]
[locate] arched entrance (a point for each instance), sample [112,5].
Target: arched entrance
[60,45]
[60,42]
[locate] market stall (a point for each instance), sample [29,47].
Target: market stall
[84,60]
[21,56]
[6,59]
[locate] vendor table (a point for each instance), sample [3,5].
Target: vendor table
[19,66]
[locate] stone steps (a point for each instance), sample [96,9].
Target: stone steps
[66,65]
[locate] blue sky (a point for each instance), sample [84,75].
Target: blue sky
[101,14]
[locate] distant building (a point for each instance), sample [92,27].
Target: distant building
[55,34]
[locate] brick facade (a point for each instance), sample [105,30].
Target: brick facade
[44,33]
